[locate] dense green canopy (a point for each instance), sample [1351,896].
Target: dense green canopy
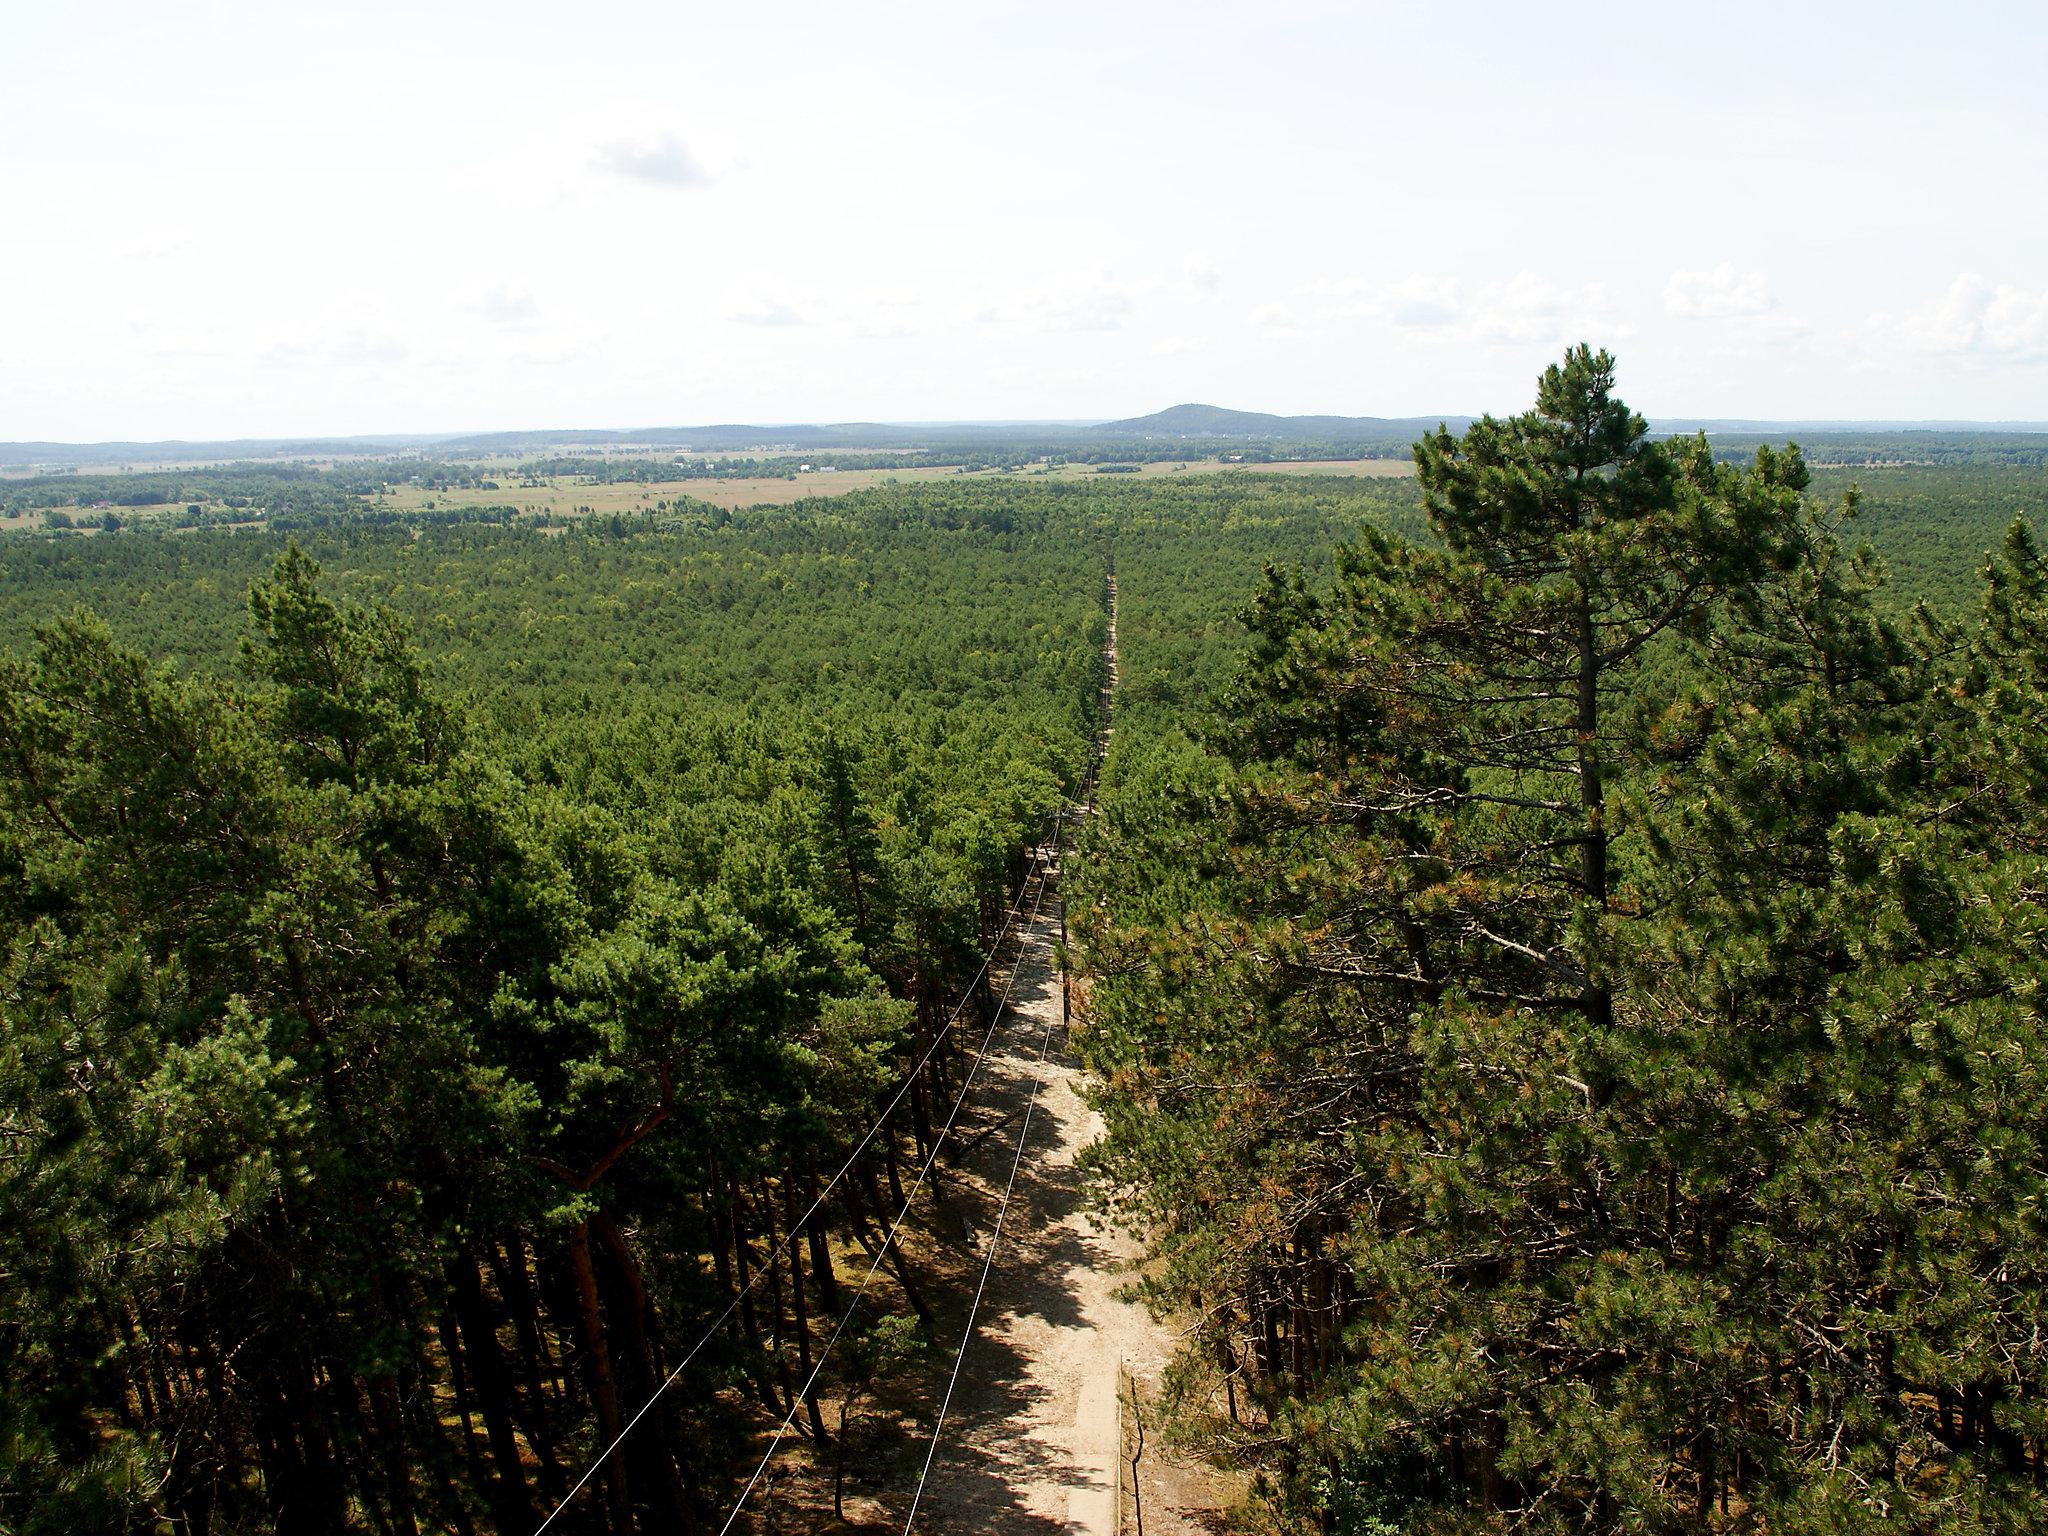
[1573,1030]
[1564,975]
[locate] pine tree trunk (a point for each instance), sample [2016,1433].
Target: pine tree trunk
[458,1382]
[802,1316]
[511,1505]
[899,1267]
[819,1238]
[750,1321]
[775,1291]
[397,1460]
[1599,1000]
[602,1391]
[508,1266]
[650,1451]
[433,1443]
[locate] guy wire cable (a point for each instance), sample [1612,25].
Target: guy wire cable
[790,1234]
[882,1252]
[987,1263]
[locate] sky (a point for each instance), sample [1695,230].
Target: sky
[251,220]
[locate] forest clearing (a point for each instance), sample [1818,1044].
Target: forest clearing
[570,499]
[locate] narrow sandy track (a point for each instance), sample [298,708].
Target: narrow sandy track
[1032,1436]
[1030,1441]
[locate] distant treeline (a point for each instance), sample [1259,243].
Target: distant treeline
[269,486]
[655,470]
[1933,503]
[257,486]
[2028,450]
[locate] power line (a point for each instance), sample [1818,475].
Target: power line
[1016,1162]
[881,1252]
[987,1263]
[1009,1189]
[790,1235]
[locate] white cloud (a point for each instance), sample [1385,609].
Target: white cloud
[1083,309]
[765,312]
[1420,304]
[1973,318]
[658,160]
[1718,293]
[354,348]
[1202,275]
[1073,302]
[1344,299]
[507,306]
[1515,311]
[1276,320]
[1527,309]
[1180,346]
[886,314]
[1054,381]
[883,328]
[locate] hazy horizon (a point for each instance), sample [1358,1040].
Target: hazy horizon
[428,437]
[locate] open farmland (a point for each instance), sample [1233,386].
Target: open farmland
[570,497]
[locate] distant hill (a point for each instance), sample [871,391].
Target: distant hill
[1217,421]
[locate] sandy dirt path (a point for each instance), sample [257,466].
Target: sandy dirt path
[1030,1442]
[1032,1436]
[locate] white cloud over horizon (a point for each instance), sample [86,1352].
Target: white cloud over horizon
[351,348]
[1202,275]
[766,312]
[1717,294]
[660,160]
[508,306]
[1063,303]
[1276,320]
[1519,310]
[1972,318]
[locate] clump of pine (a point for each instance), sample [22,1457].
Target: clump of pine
[1574,1033]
